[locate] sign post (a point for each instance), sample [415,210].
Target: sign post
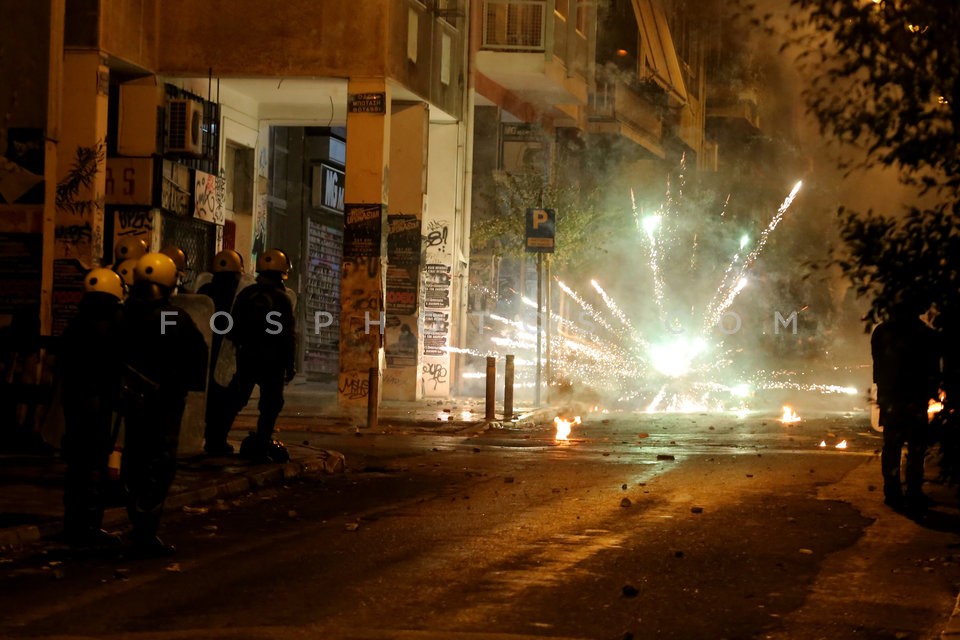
[541,231]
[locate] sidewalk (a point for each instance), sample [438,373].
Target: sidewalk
[31,503]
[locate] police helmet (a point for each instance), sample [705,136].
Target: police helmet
[176,254]
[125,270]
[157,268]
[105,281]
[129,249]
[275,261]
[228,261]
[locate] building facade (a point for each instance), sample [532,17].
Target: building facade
[332,130]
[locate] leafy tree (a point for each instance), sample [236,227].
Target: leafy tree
[883,77]
[502,230]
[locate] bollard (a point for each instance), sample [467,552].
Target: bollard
[508,388]
[491,404]
[373,395]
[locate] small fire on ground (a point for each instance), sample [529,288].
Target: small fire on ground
[934,407]
[840,445]
[789,416]
[563,427]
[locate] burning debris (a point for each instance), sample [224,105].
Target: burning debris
[563,427]
[789,416]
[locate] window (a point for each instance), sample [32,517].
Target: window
[413,33]
[445,59]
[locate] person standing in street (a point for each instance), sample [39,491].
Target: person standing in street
[90,356]
[222,289]
[265,338]
[166,357]
[906,370]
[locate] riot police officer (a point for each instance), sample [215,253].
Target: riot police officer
[129,249]
[179,258]
[125,270]
[264,333]
[165,358]
[90,356]
[227,271]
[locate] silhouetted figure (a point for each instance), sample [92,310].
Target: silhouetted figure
[265,338]
[90,355]
[21,382]
[906,370]
[166,356]
[227,271]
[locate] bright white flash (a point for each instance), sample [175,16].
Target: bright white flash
[651,224]
[741,390]
[675,358]
[744,239]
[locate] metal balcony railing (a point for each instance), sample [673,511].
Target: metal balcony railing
[514,25]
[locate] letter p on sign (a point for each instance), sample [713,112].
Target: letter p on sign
[541,230]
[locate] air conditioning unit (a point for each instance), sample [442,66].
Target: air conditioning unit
[185,126]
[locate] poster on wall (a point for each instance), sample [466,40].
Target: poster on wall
[363,231]
[67,292]
[209,192]
[259,227]
[403,264]
[20,267]
[435,294]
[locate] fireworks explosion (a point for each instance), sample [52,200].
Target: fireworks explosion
[677,362]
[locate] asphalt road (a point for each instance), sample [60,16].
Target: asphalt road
[640,526]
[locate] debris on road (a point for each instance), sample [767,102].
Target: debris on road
[630,591]
[626,502]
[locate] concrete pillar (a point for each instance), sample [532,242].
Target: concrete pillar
[439,247]
[362,314]
[83,130]
[81,180]
[409,135]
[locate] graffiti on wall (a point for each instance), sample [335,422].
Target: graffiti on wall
[208,197]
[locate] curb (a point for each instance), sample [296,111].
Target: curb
[952,629]
[325,462]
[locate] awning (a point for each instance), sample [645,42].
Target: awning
[657,44]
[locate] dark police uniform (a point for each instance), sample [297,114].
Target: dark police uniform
[90,354]
[264,333]
[906,370]
[165,346]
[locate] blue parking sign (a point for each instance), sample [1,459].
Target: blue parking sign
[541,230]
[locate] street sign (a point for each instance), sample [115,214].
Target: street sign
[541,230]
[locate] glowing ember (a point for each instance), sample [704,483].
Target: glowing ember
[842,444]
[563,427]
[789,415]
[933,408]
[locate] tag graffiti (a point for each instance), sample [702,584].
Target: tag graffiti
[435,373]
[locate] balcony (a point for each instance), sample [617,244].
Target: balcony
[532,51]
[623,106]
[736,111]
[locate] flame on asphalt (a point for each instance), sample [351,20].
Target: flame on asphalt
[563,427]
[789,416]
